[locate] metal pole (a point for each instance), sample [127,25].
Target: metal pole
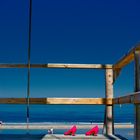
[29,55]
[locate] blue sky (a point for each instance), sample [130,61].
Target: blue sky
[67,31]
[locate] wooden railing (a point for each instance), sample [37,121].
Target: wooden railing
[127,58]
[128,99]
[111,74]
[133,98]
[91,101]
[55,65]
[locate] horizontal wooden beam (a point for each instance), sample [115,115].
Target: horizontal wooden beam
[81,66]
[53,65]
[127,58]
[128,99]
[92,101]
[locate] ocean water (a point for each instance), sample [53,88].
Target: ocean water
[64,113]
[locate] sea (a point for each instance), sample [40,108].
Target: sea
[64,113]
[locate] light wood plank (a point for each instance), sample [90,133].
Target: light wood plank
[109,119]
[94,101]
[128,99]
[57,65]
[126,59]
[81,66]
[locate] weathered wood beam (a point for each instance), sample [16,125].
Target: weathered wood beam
[109,118]
[55,65]
[22,100]
[133,98]
[81,66]
[128,99]
[92,101]
[137,89]
[78,101]
[126,59]
[13,65]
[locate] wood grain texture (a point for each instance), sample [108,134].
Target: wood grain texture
[133,98]
[57,65]
[109,118]
[137,89]
[92,101]
[127,58]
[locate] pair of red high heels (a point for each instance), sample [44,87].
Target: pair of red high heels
[94,131]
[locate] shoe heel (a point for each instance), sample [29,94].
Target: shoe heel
[71,131]
[73,134]
[93,131]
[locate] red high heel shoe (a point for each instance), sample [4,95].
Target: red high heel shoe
[71,131]
[94,131]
